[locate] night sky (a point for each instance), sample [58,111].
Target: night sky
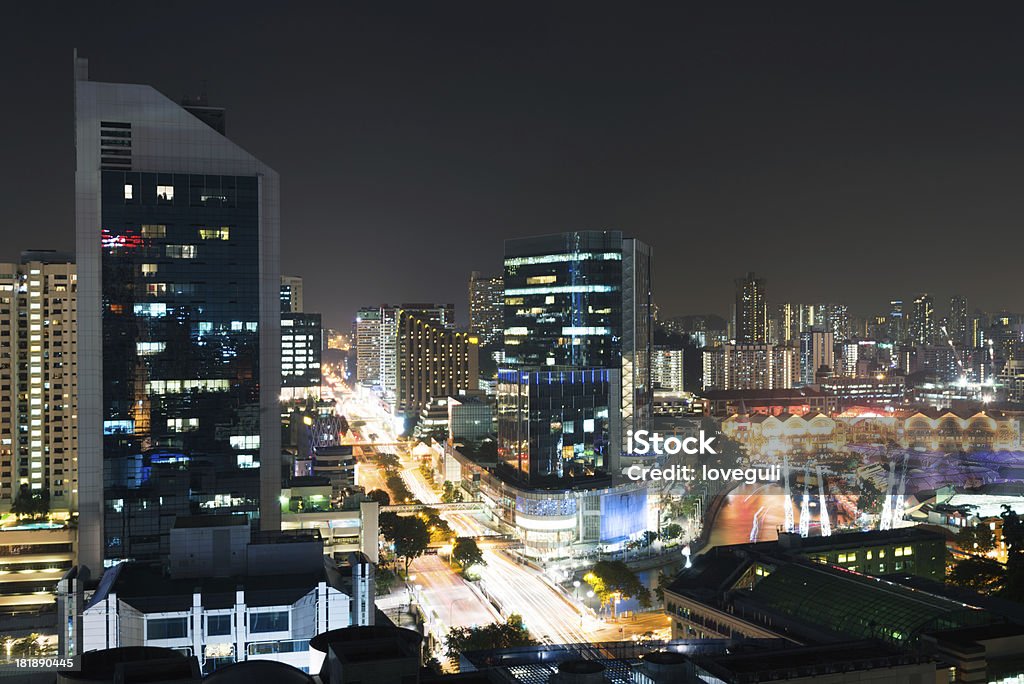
[844,153]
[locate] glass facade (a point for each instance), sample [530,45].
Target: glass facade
[555,426]
[563,300]
[577,302]
[180,311]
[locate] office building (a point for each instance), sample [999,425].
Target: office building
[922,321]
[229,596]
[301,352]
[751,319]
[179,322]
[667,369]
[579,302]
[897,330]
[470,417]
[291,294]
[487,309]
[39,383]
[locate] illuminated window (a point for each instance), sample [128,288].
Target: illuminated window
[541,280]
[165,192]
[244,441]
[181,251]
[156,288]
[222,233]
[127,191]
[154,231]
[149,348]
[149,269]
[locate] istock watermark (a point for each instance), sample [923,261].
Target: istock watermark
[643,442]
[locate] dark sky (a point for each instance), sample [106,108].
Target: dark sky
[847,153]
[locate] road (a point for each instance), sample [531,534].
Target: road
[516,588]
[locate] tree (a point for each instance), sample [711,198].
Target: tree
[380,496]
[397,486]
[663,582]
[672,531]
[983,575]
[1013,535]
[611,579]
[390,461]
[506,634]
[28,503]
[467,553]
[408,533]
[451,493]
[439,528]
[384,581]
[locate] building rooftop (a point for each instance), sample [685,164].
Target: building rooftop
[149,590]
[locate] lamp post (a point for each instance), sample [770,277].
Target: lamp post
[576,585]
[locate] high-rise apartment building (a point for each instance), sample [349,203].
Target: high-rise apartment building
[575,302]
[367,340]
[750,366]
[667,369]
[38,382]
[959,321]
[922,320]
[816,353]
[751,322]
[179,322]
[487,308]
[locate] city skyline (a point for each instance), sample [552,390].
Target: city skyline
[653,137]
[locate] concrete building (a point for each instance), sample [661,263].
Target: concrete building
[667,369]
[39,382]
[179,320]
[228,598]
[433,361]
[750,367]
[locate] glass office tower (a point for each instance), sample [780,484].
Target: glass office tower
[179,318]
[579,305]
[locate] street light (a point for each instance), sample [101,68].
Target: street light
[576,584]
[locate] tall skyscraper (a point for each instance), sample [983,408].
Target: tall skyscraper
[487,308]
[897,322]
[751,323]
[816,351]
[959,321]
[38,382]
[367,340]
[922,320]
[580,306]
[179,322]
